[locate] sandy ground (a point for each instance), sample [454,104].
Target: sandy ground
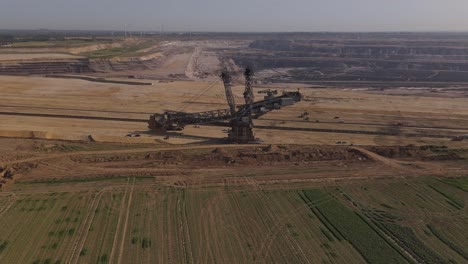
[39,160]
[336,110]
[178,60]
[35,56]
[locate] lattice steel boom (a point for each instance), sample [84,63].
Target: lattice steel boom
[239,118]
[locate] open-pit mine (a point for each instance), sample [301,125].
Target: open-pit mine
[235,148]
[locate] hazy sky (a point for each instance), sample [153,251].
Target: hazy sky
[237,15]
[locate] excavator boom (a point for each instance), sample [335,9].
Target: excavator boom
[172,120]
[248,93]
[228,89]
[239,118]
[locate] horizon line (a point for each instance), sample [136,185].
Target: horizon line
[242,32]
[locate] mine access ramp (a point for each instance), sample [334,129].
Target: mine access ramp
[239,118]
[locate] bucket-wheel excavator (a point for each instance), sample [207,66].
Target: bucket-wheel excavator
[238,118]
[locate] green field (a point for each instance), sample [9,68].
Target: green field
[136,220]
[127,50]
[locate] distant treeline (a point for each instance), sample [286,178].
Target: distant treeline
[27,38]
[10,38]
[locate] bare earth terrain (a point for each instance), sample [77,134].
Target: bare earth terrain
[375,172]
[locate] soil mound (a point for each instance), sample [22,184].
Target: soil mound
[414,152]
[6,175]
[219,151]
[247,156]
[401,152]
[271,148]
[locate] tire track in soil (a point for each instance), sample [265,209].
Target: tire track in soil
[416,168]
[8,205]
[208,211]
[376,157]
[185,236]
[32,237]
[330,190]
[244,220]
[170,245]
[122,243]
[203,234]
[139,222]
[269,239]
[393,241]
[294,245]
[59,225]
[84,230]
[434,201]
[55,167]
[296,249]
[237,207]
[234,235]
[148,204]
[114,242]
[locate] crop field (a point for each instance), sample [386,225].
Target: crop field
[44,224]
[135,220]
[461,183]
[427,218]
[342,223]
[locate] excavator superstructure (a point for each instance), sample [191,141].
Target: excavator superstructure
[238,118]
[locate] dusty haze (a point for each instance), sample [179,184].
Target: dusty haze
[240,15]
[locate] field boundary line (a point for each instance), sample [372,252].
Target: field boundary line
[391,240]
[186,231]
[114,243]
[293,246]
[84,230]
[124,234]
[267,241]
[17,231]
[7,207]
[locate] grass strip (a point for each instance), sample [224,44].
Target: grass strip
[407,239]
[452,200]
[460,183]
[447,242]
